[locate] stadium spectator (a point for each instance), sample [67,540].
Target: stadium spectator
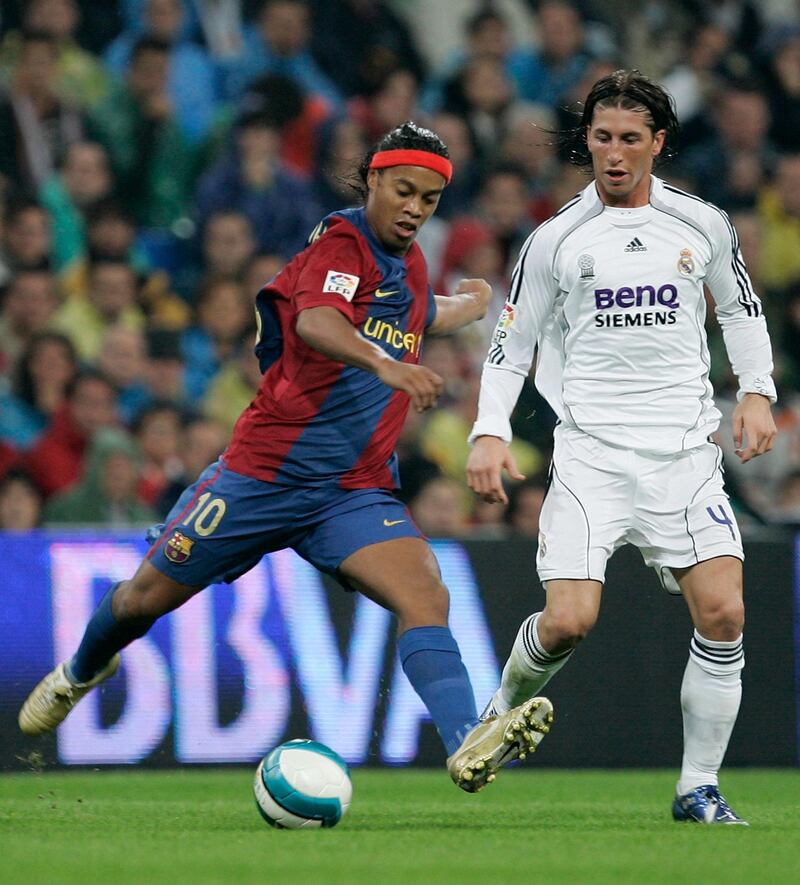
[20,502]
[779,211]
[486,34]
[165,368]
[36,125]
[341,142]
[191,79]
[455,132]
[787,511]
[84,178]
[28,308]
[106,494]
[81,78]
[503,204]
[359,41]
[728,166]
[439,508]
[202,442]
[122,359]
[781,50]
[250,178]
[27,242]
[280,44]
[261,268]
[224,316]
[228,244]
[391,100]
[530,144]
[472,251]
[109,300]
[696,79]
[483,94]
[153,162]
[545,74]
[43,373]
[443,439]
[232,389]
[56,459]
[157,431]
[525,501]
[110,233]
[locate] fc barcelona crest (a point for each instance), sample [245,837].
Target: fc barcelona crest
[179,548]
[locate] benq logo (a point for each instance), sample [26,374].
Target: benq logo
[641,296]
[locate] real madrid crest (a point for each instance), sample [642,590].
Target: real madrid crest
[686,262]
[586,264]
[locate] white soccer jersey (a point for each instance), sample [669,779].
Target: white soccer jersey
[614,300]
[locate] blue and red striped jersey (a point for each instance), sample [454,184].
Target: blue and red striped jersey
[316,421]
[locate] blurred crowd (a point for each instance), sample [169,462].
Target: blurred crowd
[160,160]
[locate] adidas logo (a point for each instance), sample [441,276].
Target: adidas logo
[636,245]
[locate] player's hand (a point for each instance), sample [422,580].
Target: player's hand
[485,465]
[754,428]
[480,294]
[422,384]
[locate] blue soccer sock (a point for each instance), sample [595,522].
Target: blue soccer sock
[432,662]
[103,638]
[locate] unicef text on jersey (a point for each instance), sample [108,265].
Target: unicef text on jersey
[627,297]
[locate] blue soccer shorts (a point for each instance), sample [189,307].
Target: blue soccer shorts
[224,523]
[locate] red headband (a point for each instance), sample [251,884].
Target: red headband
[413,158]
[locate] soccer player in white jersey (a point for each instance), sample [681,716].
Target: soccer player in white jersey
[610,291]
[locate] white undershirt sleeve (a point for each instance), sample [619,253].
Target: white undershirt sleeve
[500,389]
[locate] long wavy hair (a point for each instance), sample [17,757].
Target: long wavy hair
[632,91]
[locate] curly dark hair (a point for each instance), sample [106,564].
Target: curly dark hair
[407,136]
[632,91]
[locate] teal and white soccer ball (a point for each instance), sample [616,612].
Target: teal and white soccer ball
[302,783]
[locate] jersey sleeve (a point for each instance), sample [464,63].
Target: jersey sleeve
[333,275]
[430,310]
[738,309]
[531,299]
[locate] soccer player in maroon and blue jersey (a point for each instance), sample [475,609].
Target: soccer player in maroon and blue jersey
[311,464]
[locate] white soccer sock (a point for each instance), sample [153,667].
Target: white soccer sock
[528,669]
[710,696]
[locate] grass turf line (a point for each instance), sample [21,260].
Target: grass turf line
[200,826]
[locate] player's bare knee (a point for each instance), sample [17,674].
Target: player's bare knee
[563,629]
[429,606]
[722,622]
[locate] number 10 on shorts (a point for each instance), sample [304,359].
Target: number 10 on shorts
[206,514]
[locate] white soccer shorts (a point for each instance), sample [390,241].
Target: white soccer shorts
[673,508]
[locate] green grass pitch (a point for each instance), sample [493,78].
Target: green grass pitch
[201,826]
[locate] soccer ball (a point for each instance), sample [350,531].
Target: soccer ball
[302,783]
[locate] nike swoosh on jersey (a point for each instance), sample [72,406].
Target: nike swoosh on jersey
[380,294]
[391,522]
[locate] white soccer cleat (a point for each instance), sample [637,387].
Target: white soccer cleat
[498,740]
[49,704]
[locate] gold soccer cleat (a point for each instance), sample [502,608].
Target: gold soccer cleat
[498,740]
[49,704]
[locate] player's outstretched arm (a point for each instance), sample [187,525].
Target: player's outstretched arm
[489,457]
[754,428]
[469,303]
[332,334]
